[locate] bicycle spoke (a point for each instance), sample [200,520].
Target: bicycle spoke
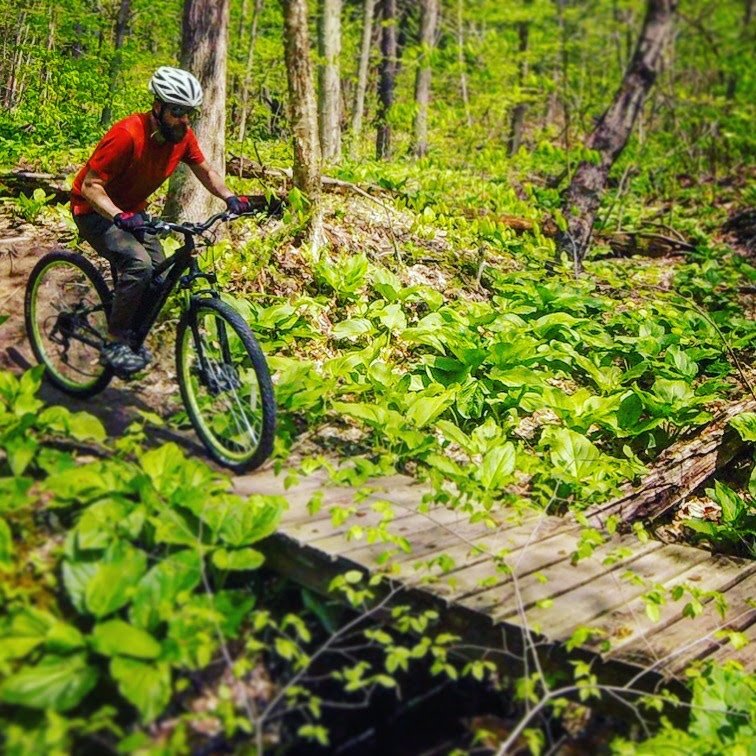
[220,385]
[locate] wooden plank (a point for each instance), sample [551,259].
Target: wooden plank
[587,603]
[682,639]
[745,655]
[536,551]
[564,577]
[269,484]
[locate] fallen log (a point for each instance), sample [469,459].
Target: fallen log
[13,183]
[245,168]
[645,244]
[679,470]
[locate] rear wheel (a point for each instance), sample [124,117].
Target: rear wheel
[66,316]
[225,385]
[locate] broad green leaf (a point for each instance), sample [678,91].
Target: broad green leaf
[349,329]
[393,318]
[116,637]
[672,392]
[573,454]
[115,578]
[159,589]
[84,427]
[455,435]
[239,559]
[6,543]
[99,523]
[732,504]
[145,685]
[20,452]
[745,425]
[56,682]
[497,466]
[76,576]
[241,522]
[424,409]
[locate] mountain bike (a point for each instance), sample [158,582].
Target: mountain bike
[222,373]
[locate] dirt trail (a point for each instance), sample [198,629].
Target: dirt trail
[21,246]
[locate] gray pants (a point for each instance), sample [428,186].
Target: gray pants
[132,262]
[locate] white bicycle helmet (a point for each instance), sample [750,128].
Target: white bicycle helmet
[176,87]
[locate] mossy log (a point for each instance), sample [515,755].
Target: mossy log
[15,182]
[679,470]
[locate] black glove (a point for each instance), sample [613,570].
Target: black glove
[238,205]
[131,222]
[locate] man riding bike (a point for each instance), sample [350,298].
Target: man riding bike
[110,192]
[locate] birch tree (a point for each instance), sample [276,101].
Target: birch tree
[329,79]
[362,73]
[428,20]
[248,71]
[203,52]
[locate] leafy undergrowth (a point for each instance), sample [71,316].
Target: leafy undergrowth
[130,617]
[457,350]
[113,568]
[416,340]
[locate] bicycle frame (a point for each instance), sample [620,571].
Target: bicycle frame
[176,266]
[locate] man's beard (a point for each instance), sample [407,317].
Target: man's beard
[173,134]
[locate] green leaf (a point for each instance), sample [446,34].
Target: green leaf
[349,329]
[146,686]
[732,504]
[240,559]
[6,543]
[56,682]
[114,580]
[672,392]
[241,522]
[99,523]
[572,453]
[424,409]
[745,425]
[20,452]
[393,318]
[117,637]
[158,591]
[84,427]
[497,466]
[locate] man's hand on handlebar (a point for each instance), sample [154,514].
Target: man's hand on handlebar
[238,204]
[132,222]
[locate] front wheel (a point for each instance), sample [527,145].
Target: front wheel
[225,385]
[66,316]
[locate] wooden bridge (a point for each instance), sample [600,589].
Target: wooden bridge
[511,586]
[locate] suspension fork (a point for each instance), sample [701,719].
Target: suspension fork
[192,303]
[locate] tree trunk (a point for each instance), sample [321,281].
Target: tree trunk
[428,19]
[329,79]
[302,109]
[518,114]
[121,31]
[583,196]
[461,63]
[248,72]
[362,75]
[386,81]
[203,52]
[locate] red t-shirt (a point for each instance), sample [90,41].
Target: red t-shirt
[132,163]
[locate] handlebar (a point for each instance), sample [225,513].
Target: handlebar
[158,226]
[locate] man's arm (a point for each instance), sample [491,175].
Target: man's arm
[93,191]
[211,180]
